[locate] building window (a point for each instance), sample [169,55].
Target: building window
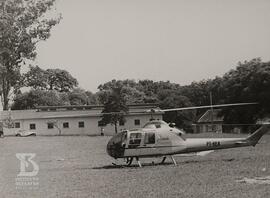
[50,125]
[81,124]
[17,125]
[65,125]
[121,123]
[32,126]
[101,124]
[137,122]
[211,128]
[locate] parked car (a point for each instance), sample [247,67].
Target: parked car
[25,133]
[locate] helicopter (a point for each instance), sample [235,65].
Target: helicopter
[160,139]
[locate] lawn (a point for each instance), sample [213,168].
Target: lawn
[78,166]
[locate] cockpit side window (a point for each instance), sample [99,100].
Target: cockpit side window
[135,139]
[149,138]
[158,126]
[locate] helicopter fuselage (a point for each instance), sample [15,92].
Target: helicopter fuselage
[159,139]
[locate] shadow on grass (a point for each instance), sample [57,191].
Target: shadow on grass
[204,161]
[114,166]
[132,165]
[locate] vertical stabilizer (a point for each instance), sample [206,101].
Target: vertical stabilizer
[256,136]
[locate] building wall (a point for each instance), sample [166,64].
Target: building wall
[204,128]
[130,123]
[90,125]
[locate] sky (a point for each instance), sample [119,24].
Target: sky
[177,40]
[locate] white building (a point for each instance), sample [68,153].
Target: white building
[73,120]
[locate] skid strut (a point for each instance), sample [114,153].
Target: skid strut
[173,160]
[129,160]
[138,161]
[163,159]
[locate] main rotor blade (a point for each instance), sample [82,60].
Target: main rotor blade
[208,106]
[150,111]
[117,112]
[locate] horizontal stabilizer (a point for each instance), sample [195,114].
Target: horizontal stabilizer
[202,153]
[241,142]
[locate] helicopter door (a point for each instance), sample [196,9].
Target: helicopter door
[135,140]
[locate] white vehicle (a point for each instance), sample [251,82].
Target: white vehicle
[25,133]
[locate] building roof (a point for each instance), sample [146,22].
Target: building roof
[92,107]
[70,112]
[208,116]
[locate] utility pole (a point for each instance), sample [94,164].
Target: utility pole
[212,112]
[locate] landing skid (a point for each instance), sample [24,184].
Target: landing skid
[118,165]
[129,161]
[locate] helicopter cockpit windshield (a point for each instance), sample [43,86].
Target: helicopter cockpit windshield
[116,145]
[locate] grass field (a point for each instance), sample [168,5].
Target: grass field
[78,166]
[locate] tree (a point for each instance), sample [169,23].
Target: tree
[36,78]
[197,92]
[34,98]
[50,79]
[56,124]
[249,82]
[60,80]
[173,99]
[8,122]
[78,97]
[151,89]
[22,25]
[116,102]
[130,91]
[92,99]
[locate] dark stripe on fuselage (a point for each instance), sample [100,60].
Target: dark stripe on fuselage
[153,147]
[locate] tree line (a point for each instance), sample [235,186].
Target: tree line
[248,82]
